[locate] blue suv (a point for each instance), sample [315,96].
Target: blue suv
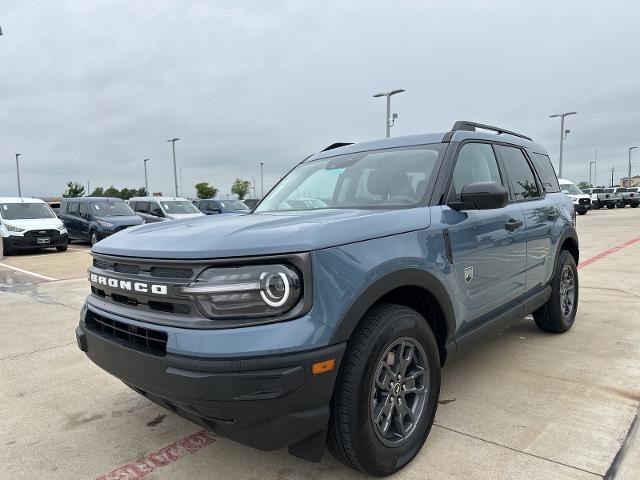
[326,314]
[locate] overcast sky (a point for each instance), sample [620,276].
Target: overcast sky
[89,88]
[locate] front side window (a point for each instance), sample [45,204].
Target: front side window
[25,211]
[83,210]
[390,178]
[111,209]
[154,209]
[476,162]
[178,206]
[522,182]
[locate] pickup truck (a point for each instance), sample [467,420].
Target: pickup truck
[604,197]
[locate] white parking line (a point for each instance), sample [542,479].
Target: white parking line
[27,272]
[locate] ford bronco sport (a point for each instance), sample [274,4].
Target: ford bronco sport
[328,320]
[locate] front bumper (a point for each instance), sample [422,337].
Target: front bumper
[16,242]
[581,207]
[264,402]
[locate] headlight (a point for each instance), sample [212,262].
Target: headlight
[11,228]
[249,291]
[105,224]
[62,228]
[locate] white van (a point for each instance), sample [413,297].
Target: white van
[581,201]
[158,209]
[30,224]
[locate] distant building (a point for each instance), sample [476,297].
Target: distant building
[635,181]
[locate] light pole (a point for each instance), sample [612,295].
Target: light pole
[175,169]
[613,169]
[562,134]
[261,181]
[629,173]
[146,182]
[590,163]
[181,188]
[88,188]
[595,167]
[390,118]
[18,172]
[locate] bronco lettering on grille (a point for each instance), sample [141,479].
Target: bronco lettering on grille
[128,285]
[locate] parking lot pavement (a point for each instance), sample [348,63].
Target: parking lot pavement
[523,405]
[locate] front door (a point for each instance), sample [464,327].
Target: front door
[488,246]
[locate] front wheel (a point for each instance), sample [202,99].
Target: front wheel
[610,206]
[94,238]
[62,248]
[387,392]
[620,205]
[634,205]
[582,212]
[559,313]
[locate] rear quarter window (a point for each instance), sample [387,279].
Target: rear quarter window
[546,173]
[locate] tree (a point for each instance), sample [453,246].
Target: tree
[112,192]
[126,194]
[241,188]
[74,189]
[204,190]
[98,192]
[583,185]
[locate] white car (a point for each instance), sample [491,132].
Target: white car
[158,209]
[30,224]
[581,201]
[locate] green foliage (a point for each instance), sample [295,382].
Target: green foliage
[241,187]
[112,192]
[74,189]
[97,192]
[204,190]
[583,185]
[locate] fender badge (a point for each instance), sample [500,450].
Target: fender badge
[468,274]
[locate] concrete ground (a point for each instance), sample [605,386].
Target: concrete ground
[523,405]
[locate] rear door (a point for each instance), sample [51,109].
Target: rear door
[488,246]
[72,220]
[540,213]
[84,221]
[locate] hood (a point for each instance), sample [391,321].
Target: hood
[578,197]
[261,233]
[35,223]
[179,216]
[120,221]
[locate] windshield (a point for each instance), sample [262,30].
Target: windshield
[233,205]
[25,211]
[111,209]
[570,188]
[178,207]
[633,189]
[388,178]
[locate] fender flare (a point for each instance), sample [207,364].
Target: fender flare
[569,233]
[406,277]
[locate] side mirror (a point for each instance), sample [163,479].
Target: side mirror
[481,196]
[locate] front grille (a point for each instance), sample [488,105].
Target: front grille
[100,264]
[41,233]
[124,268]
[584,201]
[142,339]
[170,272]
[166,307]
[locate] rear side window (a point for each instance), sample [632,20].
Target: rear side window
[522,182]
[73,208]
[476,163]
[143,207]
[63,208]
[547,174]
[83,209]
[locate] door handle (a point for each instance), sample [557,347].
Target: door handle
[553,214]
[513,224]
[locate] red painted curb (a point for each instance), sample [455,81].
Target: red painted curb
[600,256]
[161,458]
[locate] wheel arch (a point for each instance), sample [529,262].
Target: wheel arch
[411,287]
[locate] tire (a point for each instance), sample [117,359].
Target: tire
[93,238]
[551,317]
[634,205]
[610,206]
[353,438]
[620,205]
[62,248]
[6,251]
[582,212]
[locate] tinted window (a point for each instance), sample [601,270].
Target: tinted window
[73,208]
[547,174]
[111,209]
[154,209]
[83,210]
[25,210]
[522,182]
[142,207]
[476,163]
[63,207]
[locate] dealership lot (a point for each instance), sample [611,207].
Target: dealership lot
[523,405]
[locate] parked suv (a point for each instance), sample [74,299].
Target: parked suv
[220,206]
[30,224]
[629,196]
[90,219]
[604,197]
[301,323]
[581,201]
[159,209]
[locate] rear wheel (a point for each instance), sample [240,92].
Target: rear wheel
[387,392]
[62,248]
[620,205]
[582,212]
[559,313]
[610,206]
[634,205]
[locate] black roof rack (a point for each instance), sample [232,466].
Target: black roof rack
[471,126]
[336,145]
